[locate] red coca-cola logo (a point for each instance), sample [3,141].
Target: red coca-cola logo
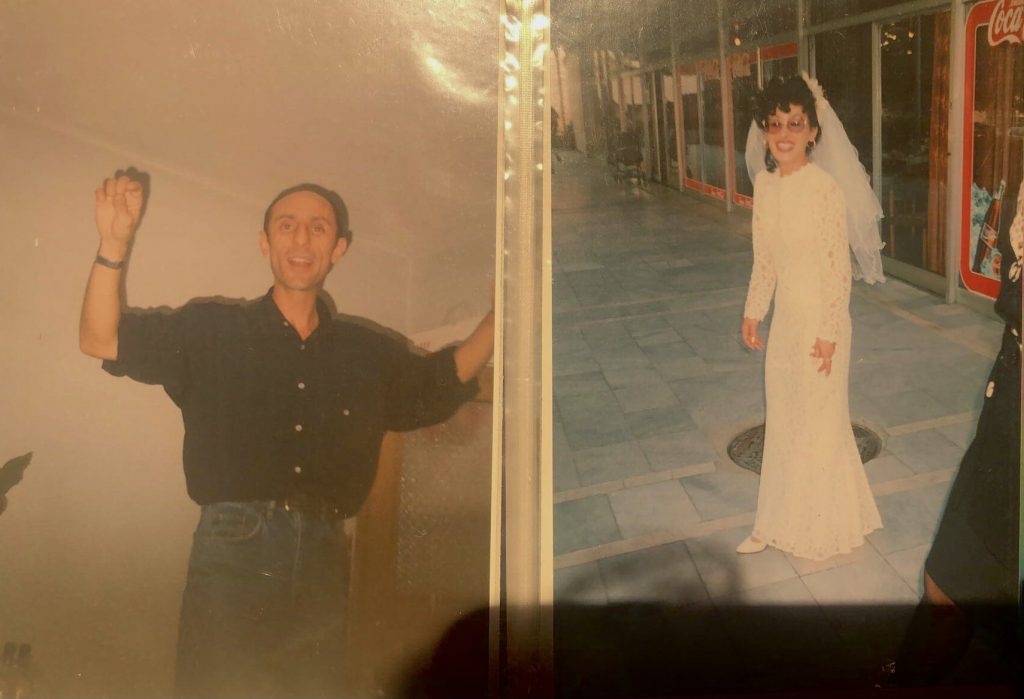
[1007,23]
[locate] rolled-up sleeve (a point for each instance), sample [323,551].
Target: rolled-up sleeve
[424,389]
[151,348]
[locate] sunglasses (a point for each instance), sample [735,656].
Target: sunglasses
[774,126]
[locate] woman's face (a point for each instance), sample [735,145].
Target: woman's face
[788,134]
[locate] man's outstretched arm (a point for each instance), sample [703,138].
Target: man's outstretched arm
[475,350]
[118,205]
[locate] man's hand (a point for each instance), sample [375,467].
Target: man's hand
[823,350]
[118,206]
[751,338]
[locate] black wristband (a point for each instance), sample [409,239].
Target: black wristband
[101,260]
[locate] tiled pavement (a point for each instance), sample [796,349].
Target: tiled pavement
[651,381]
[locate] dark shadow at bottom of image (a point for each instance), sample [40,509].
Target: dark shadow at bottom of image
[712,650]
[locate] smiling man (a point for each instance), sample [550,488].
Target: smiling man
[284,408]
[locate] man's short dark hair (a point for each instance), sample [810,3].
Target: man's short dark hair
[332,197]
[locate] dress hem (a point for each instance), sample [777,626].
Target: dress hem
[788,547]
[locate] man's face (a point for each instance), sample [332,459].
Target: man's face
[302,241]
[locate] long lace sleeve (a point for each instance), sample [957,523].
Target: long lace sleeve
[762,276]
[834,270]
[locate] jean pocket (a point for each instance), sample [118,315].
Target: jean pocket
[231,521]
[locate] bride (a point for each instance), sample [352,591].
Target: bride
[814,500]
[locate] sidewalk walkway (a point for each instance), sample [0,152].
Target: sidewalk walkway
[651,382]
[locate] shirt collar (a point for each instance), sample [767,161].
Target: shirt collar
[272,320]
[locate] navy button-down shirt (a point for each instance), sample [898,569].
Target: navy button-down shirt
[268,414]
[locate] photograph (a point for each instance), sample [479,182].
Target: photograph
[786,243]
[249,309]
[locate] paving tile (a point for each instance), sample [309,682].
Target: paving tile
[619,375]
[726,573]
[866,410]
[722,493]
[988,334]
[960,434]
[880,380]
[909,406]
[564,474]
[578,384]
[868,582]
[663,574]
[656,507]
[728,408]
[598,432]
[909,519]
[659,422]
[909,565]
[886,467]
[717,347]
[581,584]
[676,450]
[634,399]
[681,367]
[790,592]
[668,352]
[584,523]
[927,450]
[575,364]
[652,332]
[609,463]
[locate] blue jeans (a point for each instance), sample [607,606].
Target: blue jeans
[263,613]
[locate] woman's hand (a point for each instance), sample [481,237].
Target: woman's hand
[751,338]
[823,350]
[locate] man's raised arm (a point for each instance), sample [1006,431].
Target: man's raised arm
[118,205]
[476,349]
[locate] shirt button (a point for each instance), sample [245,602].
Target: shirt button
[302,385]
[298,428]
[285,323]
[344,412]
[297,469]
[302,347]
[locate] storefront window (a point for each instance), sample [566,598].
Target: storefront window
[993,141]
[743,75]
[754,21]
[696,28]
[825,10]
[653,128]
[670,148]
[848,91]
[690,101]
[714,132]
[915,134]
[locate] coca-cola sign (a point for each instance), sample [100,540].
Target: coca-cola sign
[1006,23]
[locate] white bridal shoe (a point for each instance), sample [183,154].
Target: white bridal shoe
[749,545]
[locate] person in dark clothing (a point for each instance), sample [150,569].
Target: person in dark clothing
[971,575]
[284,409]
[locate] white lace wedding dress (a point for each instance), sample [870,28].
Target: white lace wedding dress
[814,500]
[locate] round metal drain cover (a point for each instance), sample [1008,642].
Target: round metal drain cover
[747,447]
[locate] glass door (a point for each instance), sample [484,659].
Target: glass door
[691,145]
[915,129]
[669,148]
[652,113]
[700,94]
[713,129]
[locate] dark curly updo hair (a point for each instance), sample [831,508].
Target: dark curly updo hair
[780,94]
